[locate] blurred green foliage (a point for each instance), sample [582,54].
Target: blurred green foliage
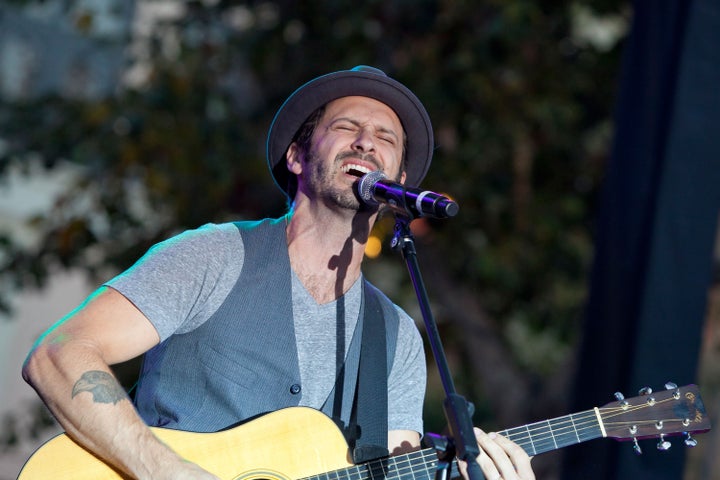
[521,96]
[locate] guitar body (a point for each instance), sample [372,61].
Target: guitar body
[301,441]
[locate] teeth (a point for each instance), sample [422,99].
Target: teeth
[355,169]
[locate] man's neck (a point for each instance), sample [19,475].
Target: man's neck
[326,248]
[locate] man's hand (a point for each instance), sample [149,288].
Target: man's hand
[500,458]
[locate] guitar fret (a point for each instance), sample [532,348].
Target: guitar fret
[590,433]
[429,463]
[321,476]
[563,431]
[575,430]
[544,437]
[403,467]
[358,472]
[532,443]
[412,474]
[377,468]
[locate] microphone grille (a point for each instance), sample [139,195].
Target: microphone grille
[366,184]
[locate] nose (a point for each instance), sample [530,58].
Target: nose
[363,142]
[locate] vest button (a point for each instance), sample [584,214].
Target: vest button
[295,389]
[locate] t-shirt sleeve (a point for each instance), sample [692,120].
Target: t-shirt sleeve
[180,282]
[407,380]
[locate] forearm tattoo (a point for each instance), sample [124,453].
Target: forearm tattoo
[102,385]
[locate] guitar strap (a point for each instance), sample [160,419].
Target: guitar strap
[370,409]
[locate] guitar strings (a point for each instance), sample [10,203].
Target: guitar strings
[523,435]
[420,465]
[537,437]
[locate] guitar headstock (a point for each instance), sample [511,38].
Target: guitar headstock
[674,411]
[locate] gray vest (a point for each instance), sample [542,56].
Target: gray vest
[242,362]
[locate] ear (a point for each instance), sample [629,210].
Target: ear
[293,160]
[403,176]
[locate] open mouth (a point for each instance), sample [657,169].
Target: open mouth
[355,170]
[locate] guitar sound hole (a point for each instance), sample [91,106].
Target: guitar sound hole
[261,475]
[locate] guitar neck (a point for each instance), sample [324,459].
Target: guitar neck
[548,435]
[534,438]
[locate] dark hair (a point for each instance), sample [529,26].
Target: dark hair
[303,138]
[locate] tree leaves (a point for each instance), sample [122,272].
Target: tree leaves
[522,113]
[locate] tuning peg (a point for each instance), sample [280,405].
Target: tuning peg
[621,398]
[689,440]
[636,447]
[647,391]
[673,386]
[663,445]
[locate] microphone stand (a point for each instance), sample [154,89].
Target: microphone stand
[457,409]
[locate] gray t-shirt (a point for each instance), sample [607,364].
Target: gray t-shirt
[182,281]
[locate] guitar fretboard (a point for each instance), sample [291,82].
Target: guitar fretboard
[534,438]
[547,435]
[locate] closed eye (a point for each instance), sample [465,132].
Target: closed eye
[387,139]
[345,126]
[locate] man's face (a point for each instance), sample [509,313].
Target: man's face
[355,135]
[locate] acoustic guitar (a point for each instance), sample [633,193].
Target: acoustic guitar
[300,442]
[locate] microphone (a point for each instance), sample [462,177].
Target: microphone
[374,188]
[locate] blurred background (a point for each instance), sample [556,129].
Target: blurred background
[580,139]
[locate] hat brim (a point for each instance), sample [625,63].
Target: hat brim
[360,81]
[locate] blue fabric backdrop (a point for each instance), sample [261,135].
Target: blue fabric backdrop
[656,229]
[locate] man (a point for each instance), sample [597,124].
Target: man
[239,319]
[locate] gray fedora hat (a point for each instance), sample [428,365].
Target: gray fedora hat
[361,81]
